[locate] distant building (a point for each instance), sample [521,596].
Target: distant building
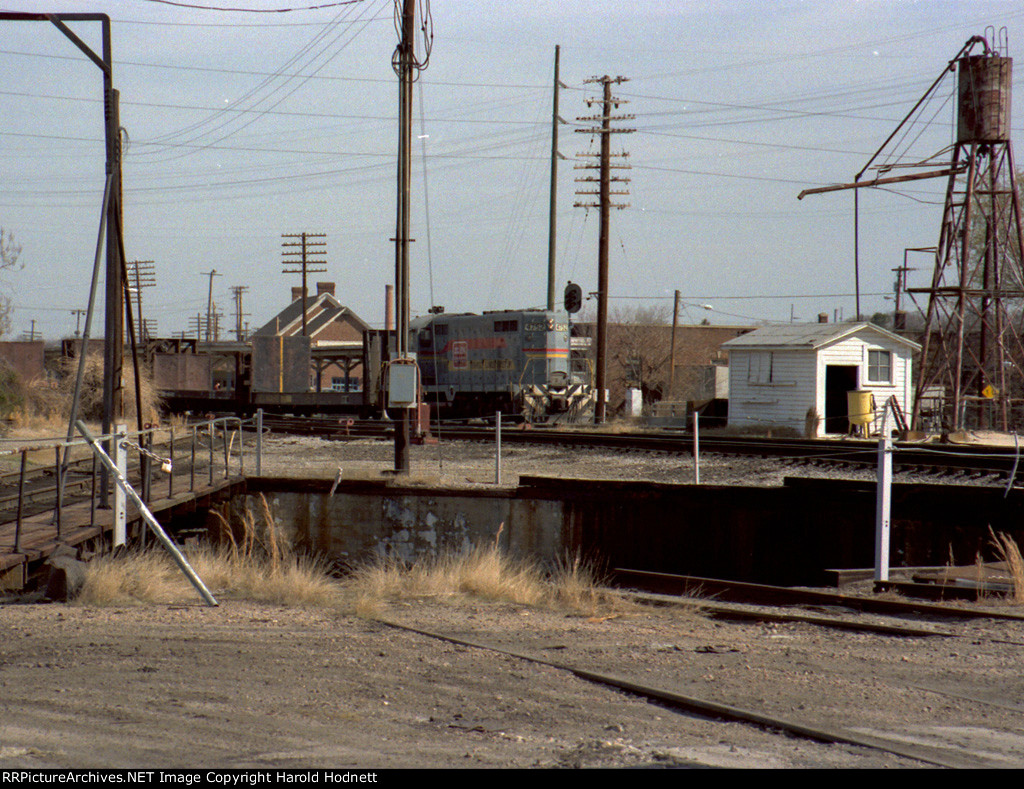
[335,334]
[799,375]
[639,356]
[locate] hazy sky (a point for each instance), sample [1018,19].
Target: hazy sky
[244,126]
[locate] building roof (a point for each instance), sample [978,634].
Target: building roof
[810,336]
[321,311]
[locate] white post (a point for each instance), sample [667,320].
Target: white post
[883,499]
[120,508]
[497,449]
[122,483]
[696,448]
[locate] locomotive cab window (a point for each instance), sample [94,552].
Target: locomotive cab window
[504,327]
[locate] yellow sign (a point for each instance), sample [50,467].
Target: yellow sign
[988,392]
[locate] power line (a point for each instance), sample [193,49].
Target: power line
[255,10]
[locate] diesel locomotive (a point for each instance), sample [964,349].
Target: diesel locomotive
[518,362]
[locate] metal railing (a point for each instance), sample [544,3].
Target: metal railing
[170,462]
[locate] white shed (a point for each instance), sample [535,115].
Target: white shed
[798,375]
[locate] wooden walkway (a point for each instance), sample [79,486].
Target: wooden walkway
[80,526]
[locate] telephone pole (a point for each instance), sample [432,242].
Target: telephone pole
[555,155]
[310,251]
[209,302]
[604,194]
[237,291]
[141,274]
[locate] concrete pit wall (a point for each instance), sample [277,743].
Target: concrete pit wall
[789,535]
[366,520]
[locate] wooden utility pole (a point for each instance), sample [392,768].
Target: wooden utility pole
[141,274]
[405,64]
[604,203]
[309,251]
[672,352]
[552,225]
[209,302]
[237,291]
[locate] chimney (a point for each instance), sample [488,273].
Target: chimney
[324,287]
[822,317]
[296,293]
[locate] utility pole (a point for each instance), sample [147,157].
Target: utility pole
[310,251]
[555,155]
[237,291]
[405,65]
[209,302]
[604,203]
[141,274]
[672,351]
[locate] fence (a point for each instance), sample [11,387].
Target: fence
[170,462]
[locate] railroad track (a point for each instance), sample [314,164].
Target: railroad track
[974,461]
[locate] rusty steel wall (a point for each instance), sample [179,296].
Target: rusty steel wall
[181,372]
[281,364]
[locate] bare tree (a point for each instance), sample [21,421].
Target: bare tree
[639,346]
[10,251]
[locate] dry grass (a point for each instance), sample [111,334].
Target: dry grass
[482,573]
[257,565]
[254,562]
[48,403]
[1007,551]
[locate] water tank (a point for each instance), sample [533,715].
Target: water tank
[861,407]
[983,95]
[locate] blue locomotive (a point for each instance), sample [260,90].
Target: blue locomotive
[513,361]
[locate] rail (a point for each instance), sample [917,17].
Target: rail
[180,458]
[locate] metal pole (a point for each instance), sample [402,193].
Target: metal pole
[170,474]
[241,449]
[259,442]
[212,439]
[120,510]
[192,466]
[59,503]
[602,257]
[227,452]
[21,498]
[696,447]
[883,499]
[123,485]
[497,448]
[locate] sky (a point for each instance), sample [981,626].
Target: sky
[242,127]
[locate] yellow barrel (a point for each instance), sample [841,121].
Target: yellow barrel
[860,406]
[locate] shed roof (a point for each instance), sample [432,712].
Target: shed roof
[811,336]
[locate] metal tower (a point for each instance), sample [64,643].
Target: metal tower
[971,371]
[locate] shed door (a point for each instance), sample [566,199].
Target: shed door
[839,379]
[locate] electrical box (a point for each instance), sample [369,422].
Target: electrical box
[403,384]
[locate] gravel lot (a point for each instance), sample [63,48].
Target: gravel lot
[462,463]
[259,686]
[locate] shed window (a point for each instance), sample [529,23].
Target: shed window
[880,366]
[760,369]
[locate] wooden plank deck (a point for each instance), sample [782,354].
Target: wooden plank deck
[78,525]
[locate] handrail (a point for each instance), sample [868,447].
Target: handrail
[160,444]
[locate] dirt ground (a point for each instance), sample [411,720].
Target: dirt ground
[255,686]
[249,685]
